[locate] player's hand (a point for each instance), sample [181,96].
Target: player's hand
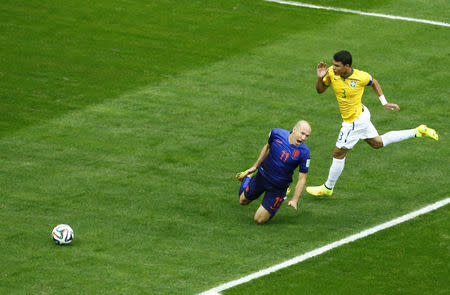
[321,69]
[293,204]
[250,171]
[392,107]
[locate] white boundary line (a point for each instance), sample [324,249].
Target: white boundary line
[409,19]
[326,248]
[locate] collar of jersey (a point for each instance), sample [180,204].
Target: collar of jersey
[349,75]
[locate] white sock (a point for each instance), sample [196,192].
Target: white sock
[396,136]
[337,166]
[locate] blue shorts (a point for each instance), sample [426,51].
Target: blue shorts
[273,197]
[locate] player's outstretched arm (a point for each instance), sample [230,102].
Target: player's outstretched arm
[321,72]
[389,106]
[298,190]
[262,156]
[246,173]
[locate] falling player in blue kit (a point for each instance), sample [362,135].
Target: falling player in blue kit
[273,170]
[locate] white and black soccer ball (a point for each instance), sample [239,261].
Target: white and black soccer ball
[62,234]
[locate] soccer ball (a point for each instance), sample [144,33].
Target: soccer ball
[62,234]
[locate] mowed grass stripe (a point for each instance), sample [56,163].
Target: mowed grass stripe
[146,182]
[62,58]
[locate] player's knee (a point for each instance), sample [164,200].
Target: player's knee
[260,220]
[377,144]
[339,153]
[262,215]
[243,200]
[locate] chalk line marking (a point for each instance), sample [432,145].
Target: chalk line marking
[326,248]
[409,19]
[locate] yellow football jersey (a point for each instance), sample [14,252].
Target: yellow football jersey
[348,91]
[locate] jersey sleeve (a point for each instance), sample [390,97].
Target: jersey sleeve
[367,79]
[327,79]
[271,137]
[304,162]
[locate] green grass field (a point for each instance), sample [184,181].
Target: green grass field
[395,261]
[128,120]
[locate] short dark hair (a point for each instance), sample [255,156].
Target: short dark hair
[344,57]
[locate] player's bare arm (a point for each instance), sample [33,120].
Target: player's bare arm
[262,156]
[389,106]
[321,72]
[298,190]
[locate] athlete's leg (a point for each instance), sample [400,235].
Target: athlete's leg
[243,200]
[250,189]
[340,153]
[348,137]
[272,201]
[390,137]
[262,215]
[245,186]
[336,168]
[401,135]
[376,142]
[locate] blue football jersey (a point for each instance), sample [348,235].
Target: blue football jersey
[283,159]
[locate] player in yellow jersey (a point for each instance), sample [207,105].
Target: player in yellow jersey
[348,86]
